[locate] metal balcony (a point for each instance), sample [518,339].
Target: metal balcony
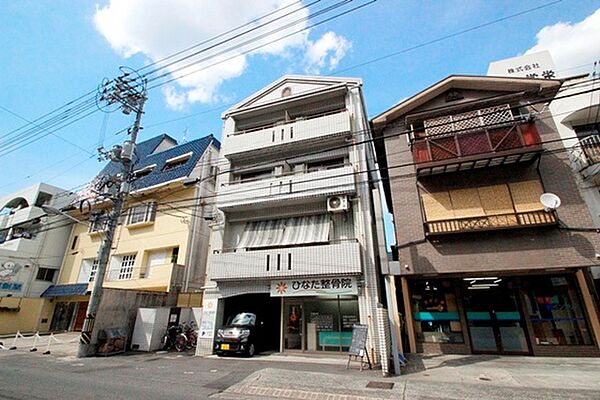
[476,148]
[276,137]
[491,222]
[585,156]
[314,260]
[287,187]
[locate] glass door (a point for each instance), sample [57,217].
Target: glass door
[494,317]
[293,327]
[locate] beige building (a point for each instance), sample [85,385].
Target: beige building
[160,244]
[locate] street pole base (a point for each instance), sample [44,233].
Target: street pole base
[86,350]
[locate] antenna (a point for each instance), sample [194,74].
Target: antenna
[550,201]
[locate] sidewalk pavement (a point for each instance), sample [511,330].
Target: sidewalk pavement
[441,377]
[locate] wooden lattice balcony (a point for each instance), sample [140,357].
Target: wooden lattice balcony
[491,222]
[476,147]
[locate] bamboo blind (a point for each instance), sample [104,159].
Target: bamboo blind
[466,203]
[526,195]
[491,201]
[437,206]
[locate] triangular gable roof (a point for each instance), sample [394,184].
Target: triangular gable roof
[313,84]
[490,83]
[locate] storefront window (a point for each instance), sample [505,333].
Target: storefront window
[329,323]
[555,311]
[436,313]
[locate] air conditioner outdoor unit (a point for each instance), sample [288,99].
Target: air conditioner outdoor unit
[337,204]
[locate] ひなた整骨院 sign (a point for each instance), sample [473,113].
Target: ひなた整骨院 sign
[314,287]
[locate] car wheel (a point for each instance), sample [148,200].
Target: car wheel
[251,350]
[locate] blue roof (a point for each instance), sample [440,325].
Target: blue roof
[144,158]
[72,289]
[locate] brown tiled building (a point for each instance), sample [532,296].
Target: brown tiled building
[483,266]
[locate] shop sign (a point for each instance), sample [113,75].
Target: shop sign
[314,287]
[209,317]
[11,286]
[8,271]
[535,65]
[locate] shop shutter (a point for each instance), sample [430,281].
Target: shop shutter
[466,203]
[437,206]
[526,195]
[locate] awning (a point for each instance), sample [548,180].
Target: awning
[74,289]
[286,231]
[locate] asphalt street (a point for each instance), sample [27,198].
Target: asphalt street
[31,375]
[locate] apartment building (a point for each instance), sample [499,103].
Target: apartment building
[484,266]
[161,242]
[293,232]
[32,246]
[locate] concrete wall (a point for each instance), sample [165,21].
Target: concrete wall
[118,308]
[27,317]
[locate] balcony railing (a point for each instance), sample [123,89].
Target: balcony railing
[491,222]
[312,260]
[476,148]
[21,216]
[293,132]
[319,183]
[586,154]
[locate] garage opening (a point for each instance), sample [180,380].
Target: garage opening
[267,310]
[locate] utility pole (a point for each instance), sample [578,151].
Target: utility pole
[128,94]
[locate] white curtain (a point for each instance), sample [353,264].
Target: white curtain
[286,231]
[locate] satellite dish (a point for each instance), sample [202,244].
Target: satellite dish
[550,201]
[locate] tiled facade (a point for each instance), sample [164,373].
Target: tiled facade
[503,246]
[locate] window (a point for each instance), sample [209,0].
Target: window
[45,274]
[436,313]
[99,224]
[43,199]
[141,213]
[555,311]
[93,270]
[177,162]
[140,173]
[256,175]
[126,270]
[325,164]
[174,255]
[88,270]
[74,244]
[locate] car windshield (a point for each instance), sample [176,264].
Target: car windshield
[244,319]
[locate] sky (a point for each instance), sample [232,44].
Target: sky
[52,52]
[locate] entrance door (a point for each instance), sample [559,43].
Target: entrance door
[494,317]
[63,313]
[293,326]
[80,316]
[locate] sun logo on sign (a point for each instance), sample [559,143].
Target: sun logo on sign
[281,287]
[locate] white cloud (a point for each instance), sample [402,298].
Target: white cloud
[326,52]
[571,44]
[157,28]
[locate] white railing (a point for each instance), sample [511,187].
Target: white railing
[329,259]
[293,132]
[21,245]
[585,153]
[21,216]
[319,183]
